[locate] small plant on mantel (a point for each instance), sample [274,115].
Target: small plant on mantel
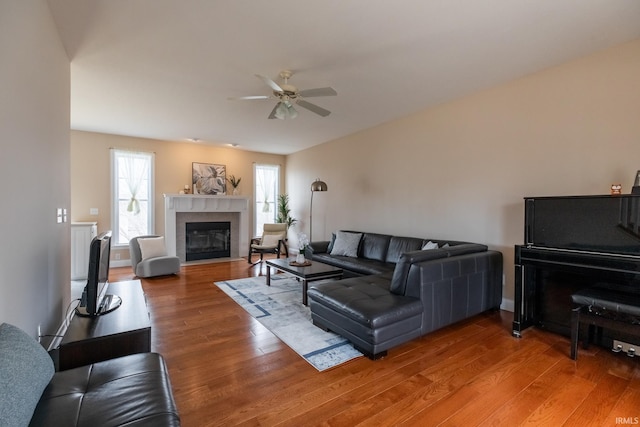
[235,182]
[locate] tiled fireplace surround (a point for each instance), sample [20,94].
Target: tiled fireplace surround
[180,209]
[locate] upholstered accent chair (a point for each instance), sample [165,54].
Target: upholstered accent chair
[272,241]
[149,257]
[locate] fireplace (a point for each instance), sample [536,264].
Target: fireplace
[207,240]
[183,208]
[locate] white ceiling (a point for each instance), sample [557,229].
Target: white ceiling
[163,69]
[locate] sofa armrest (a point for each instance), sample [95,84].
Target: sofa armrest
[456,288]
[465,248]
[318,247]
[407,259]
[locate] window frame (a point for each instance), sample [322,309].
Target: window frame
[257,186]
[115,199]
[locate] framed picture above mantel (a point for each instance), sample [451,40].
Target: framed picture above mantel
[209,178]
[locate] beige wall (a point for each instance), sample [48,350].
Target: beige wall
[461,170]
[457,171]
[90,172]
[34,168]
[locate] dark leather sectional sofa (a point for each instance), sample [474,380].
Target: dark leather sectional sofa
[395,291]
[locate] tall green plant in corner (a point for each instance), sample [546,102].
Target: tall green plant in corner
[284,212]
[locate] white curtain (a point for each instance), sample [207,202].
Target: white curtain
[266,182]
[133,172]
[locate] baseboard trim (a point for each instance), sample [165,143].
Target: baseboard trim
[119,263]
[507,305]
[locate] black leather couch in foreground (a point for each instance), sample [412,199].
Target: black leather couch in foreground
[130,391]
[400,291]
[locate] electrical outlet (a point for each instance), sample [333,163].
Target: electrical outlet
[93,211]
[117,256]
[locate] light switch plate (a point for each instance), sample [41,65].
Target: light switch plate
[93,211]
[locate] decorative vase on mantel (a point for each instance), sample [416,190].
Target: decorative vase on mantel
[234,182]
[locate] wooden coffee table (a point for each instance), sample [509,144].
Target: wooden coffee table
[315,271]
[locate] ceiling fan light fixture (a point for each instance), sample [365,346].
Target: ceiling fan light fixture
[285,111]
[287,94]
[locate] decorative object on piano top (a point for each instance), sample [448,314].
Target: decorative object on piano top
[636,184]
[616,189]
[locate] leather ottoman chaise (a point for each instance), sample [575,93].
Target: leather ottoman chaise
[364,311]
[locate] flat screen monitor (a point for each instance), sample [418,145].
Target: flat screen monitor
[95,300]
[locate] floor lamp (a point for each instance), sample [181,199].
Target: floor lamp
[317,185]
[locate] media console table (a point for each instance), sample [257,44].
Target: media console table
[126,330]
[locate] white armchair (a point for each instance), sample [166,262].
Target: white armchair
[272,242]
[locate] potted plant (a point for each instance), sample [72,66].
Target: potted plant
[235,182]
[284,212]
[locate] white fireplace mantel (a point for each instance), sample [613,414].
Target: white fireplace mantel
[174,203]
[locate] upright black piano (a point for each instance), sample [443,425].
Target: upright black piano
[573,243]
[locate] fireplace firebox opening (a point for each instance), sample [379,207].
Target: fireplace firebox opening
[207,240]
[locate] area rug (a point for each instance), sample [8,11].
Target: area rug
[279,308]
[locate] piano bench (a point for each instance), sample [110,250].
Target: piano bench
[605,305]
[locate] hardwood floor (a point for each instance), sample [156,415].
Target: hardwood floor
[227,369]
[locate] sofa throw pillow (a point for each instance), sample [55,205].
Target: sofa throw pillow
[346,244]
[331,242]
[25,371]
[152,247]
[429,245]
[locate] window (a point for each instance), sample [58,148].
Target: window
[132,195]
[267,183]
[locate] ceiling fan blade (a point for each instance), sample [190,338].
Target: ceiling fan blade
[313,107]
[320,91]
[273,85]
[241,98]
[273,112]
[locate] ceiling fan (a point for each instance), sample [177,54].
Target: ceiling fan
[287,94]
